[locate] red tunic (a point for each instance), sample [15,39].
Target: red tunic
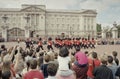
[91,66]
[78,42]
[40,43]
[34,75]
[50,43]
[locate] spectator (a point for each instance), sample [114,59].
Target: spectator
[112,66]
[26,69]
[40,58]
[19,63]
[6,75]
[6,68]
[81,58]
[114,53]
[44,65]
[81,65]
[118,72]
[103,72]
[64,64]
[93,62]
[3,52]
[52,70]
[86,52]
[33,73]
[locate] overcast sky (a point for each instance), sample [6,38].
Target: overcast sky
[108,10]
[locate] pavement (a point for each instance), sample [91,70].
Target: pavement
[100,49]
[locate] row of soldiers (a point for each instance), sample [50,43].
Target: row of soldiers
[75,42]
[68,42]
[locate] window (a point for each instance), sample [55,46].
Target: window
[63,19]
[91,27]
[78,27]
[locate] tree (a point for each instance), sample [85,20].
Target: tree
[99,30]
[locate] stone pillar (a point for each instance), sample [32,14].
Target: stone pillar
[4,28]
[114,33]
[27,27]
[103,35]
[27,32]
[4,34]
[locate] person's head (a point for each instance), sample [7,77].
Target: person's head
[52,56]
[3,46]
[94,55]
[110,59]
[33,64]
[40,39]
[77,49]
[40,61]
[114,53]
[6,75]
[63,52]
[56,55]
[52,69]
[47,58]
[72,59]
[41,54]
[73,53]
[37,49]
[49,39]
[6,65]
[86,52]
[103,59]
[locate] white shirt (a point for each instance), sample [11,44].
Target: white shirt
[51,77]
[63,62]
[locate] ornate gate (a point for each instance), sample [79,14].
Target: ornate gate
[15,33]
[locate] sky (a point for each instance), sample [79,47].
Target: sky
[108,10]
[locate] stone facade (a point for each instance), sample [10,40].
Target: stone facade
[32,20]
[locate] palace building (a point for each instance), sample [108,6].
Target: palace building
[35,20]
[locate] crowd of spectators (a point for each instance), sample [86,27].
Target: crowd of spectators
[108,41]
[30,63]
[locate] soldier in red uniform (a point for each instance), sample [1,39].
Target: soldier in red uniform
[69,43]
[49,46]
[40,44]
[73,42]
[92,43]
[85,43]
[88,43]
[60,43]
[77,43]
[56,42]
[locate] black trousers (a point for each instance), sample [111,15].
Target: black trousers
[40,47]
[49,47]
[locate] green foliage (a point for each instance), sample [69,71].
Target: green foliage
[99,28]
